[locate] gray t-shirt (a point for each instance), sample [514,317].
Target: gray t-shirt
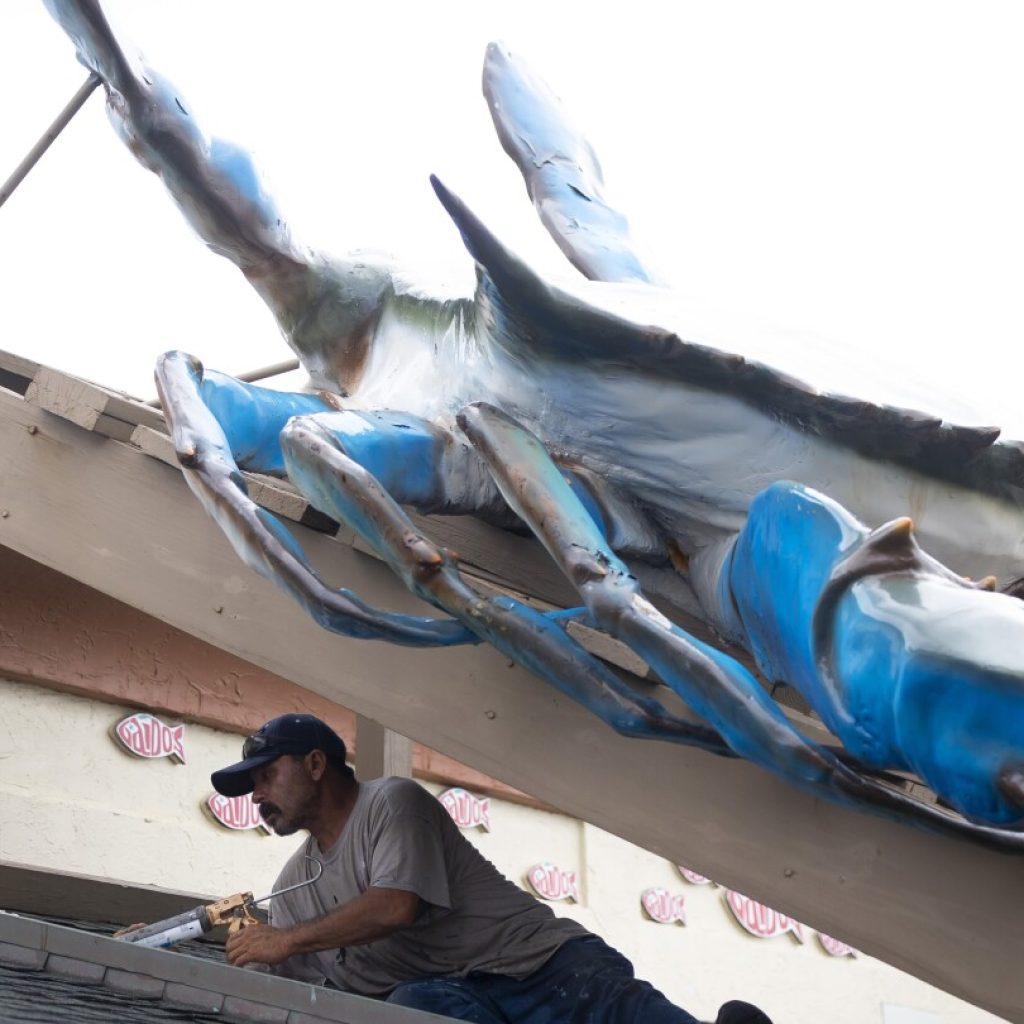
[471,917]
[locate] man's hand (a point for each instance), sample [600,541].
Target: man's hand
[259,944]
[372,915]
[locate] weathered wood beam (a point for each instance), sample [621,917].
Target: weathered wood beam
[381,751]
[89,405]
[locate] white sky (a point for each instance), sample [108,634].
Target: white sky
[852,172]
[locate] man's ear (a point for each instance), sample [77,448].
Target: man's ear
[316,764]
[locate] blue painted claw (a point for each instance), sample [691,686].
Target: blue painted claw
[782,604]
[259,539]
[912,666]
[561,171]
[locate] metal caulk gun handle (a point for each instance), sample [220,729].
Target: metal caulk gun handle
[234,911]
[298,885]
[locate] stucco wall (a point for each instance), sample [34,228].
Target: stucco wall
[63,635]
[71,800]
[711,958]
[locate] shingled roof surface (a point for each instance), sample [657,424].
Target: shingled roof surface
[44,997]
[55,973]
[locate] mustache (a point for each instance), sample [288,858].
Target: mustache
[266,808]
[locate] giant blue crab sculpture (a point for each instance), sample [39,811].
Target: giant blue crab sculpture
[562,408]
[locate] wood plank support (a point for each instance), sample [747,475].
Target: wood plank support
[381,751]
[67,397]
[81,402]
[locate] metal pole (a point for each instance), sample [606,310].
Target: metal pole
[269,371]
[51,133]
[251,376]
[32,158]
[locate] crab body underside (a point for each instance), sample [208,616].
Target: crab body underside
[564,410]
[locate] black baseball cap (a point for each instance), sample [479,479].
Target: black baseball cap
[286,734]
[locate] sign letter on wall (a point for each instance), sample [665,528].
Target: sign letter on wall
[145,736]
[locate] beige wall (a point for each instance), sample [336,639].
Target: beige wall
[710,959]
[72,801]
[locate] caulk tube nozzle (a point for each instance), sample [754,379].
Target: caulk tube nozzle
[172,930]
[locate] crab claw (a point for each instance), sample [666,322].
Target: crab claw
[261,541]
[906,662]
[560,169]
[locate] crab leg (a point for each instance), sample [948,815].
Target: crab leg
[219,191]
[714,685]
[346,490]
[263,543]
[906,661]
[213,182]
[560,169]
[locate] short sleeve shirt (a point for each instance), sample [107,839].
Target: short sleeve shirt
[471,918]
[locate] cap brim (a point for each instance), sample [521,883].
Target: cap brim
[236,780]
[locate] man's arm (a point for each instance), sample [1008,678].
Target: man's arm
[373,915]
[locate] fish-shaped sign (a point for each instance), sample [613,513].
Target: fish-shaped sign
[835,947]
[236,812]
[552,883]
[762,921]
[467,810]
[692,877]
[145,736]
[662,906]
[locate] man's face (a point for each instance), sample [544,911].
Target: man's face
[284,791]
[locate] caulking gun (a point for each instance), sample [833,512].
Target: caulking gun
[234,911]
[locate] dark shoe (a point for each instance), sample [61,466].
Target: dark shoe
[736,1012]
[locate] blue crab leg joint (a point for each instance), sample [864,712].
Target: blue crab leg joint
[623,427]
[866,655]
[347,490]
[263,543]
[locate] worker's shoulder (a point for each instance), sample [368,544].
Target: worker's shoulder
[399,794]
[296,867]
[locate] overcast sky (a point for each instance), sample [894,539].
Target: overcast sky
[850,172]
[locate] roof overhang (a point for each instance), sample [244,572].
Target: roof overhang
[81,492]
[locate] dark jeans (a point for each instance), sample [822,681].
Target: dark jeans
[585,982]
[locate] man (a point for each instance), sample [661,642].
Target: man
[407,909]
